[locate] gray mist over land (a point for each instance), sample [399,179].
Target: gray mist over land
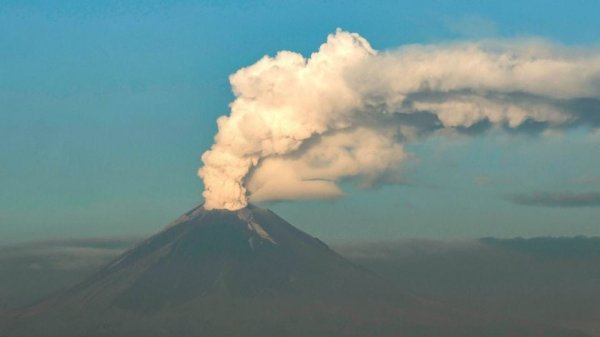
[543,279]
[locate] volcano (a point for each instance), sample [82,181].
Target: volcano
[244,273]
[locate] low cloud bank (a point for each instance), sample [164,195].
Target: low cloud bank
[62,254]
[557,199]
[31,271]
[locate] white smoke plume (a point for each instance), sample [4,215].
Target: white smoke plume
[298,126]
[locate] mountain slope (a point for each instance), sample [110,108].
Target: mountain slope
[243,273]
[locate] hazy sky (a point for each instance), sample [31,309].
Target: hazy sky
[105,109]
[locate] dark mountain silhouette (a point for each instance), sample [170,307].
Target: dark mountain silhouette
[244,273]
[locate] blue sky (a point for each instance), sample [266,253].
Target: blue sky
[105,109]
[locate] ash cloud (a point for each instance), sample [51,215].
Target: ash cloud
[557,199]
[300,125]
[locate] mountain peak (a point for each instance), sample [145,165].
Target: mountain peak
[200,211]
[232,273]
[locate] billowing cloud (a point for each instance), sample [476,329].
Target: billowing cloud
[298,126]
[557,199]
[361,153]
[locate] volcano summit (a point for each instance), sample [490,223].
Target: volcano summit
[243,273]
